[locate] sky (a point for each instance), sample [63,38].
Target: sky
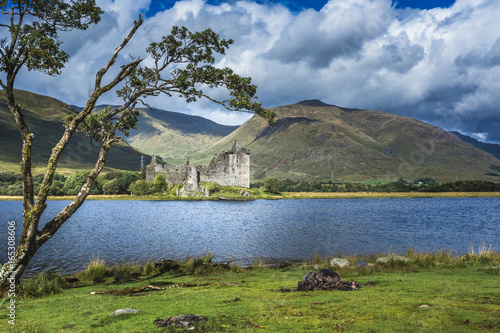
[436,61]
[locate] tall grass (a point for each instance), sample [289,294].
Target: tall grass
[485,254]
[45,283]
[96,271]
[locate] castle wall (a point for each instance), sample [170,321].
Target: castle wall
[174,174]
[227,169]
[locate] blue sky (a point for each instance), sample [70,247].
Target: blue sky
[298,5]
[436,61]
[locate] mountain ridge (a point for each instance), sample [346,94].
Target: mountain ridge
[492,148]
[43,115]
[311,141]
[320,142]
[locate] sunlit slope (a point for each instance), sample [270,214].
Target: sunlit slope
[175,136]
[43,116]
[317,142]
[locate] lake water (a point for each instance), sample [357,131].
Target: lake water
[268,230]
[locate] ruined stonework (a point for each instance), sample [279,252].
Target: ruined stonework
[230,168]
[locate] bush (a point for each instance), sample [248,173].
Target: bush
[141,187]
[159,184]
[74,183]
[272,185]
[56,188]
[113,187]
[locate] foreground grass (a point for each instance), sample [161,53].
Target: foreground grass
[432,293]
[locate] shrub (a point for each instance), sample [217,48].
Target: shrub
[159,184]
[113,186]
[141,187]
[272,185]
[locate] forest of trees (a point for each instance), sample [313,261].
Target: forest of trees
[419,185]
[111,183]
[128,182]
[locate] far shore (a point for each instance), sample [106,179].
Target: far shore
[288,195]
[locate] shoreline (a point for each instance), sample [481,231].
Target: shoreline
[288,195]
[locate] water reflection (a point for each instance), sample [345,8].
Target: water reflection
[272,231]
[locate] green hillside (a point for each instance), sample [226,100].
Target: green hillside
[313,141]
[43,116]
[175,136]
[492,148]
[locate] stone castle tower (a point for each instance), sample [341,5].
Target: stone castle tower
[230,168]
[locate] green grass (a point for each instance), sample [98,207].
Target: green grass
[432,293]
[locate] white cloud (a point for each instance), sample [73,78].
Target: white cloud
[440,65]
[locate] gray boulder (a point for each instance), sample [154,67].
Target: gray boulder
[339,262]
[383,260]
[125,311]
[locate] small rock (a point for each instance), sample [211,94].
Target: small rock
[309,276]
[317,267]
[339,262]
[125,311]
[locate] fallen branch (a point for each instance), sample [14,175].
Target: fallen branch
[147,288]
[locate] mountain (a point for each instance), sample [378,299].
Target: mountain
[491,148]
[43,116]
[315,141]
[174,135]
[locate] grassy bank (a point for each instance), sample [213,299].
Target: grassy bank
[431,293]
[393,195]
[287,195]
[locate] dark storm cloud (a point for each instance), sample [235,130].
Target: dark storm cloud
[439,65]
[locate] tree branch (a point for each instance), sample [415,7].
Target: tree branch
[53,225]
[111,62]
[89,106]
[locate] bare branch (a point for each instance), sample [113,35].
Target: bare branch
[111,62]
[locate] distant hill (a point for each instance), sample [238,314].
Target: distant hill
[315,141]
[491,148]
[172,135]
[43,116]
[175,136]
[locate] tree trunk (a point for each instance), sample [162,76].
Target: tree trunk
[13,269]
[30,243]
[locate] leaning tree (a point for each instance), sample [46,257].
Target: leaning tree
[182,64]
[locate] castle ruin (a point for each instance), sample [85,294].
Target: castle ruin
[230,168]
